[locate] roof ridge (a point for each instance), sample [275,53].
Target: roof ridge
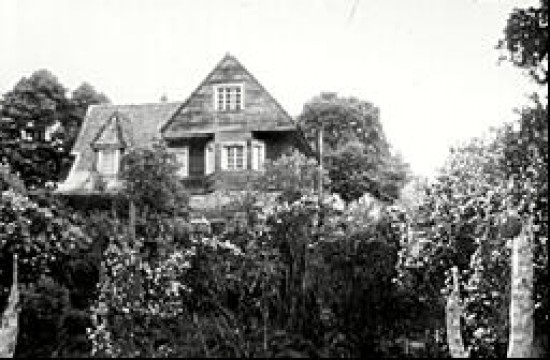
[105,105]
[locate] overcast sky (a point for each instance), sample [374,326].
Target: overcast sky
[429,65]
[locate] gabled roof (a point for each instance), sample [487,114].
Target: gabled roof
[264,113]
[133,124]
[139,123]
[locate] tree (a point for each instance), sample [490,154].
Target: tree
[33,106]
[455,224]
[356,153]
[526,149]
[153,188]
[526,40]
[354,170]
[81,98]
[38,126]
[343,120]
[293,173]
[151,180]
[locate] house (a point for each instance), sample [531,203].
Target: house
[221,135]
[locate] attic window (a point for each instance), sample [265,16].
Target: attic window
[229,97]
[107,162]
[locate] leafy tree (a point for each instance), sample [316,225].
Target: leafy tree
[154,192]
[343,120]
[151,180]
[356,152]
[526,40]
[293,173]
[38,125]
[33,106]
[457,224]
[81,98]
[462,220]
[354,171]
[526,141]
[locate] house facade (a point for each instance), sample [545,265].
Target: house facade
[221,135]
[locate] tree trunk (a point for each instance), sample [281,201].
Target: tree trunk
[454,313]
[522,305]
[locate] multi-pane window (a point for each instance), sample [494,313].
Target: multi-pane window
[235,157]
[229,97]
[107,163]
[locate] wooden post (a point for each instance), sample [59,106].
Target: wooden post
[320,151]
[9,320]
[454,314]
[132,220]
[522,304]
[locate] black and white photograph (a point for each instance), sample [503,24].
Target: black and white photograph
[274,178]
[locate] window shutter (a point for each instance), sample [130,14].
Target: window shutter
[224,157]
[258,155]
[182,156]
[209,158]
[243,150]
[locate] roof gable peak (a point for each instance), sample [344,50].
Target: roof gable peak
[114,131]
[228,70]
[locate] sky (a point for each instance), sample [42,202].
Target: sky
[430,65]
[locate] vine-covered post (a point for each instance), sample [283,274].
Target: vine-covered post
[522,305]
[9,322]
[454,314]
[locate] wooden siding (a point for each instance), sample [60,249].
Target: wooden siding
[276,143]
[261,118]
[261,111]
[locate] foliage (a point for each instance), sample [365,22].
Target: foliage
[42,236]
[526,40]
[526,142]
[463,220]
[81,98]
[151,180]
[290,287]
[293,174]
[35,107]
[355,171]
[356,153]
[343,120]
[526,165]
[51,249]
[44,304]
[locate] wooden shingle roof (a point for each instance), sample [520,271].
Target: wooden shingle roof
[140,124]
[132,125]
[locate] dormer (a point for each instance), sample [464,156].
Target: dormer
[109,144]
